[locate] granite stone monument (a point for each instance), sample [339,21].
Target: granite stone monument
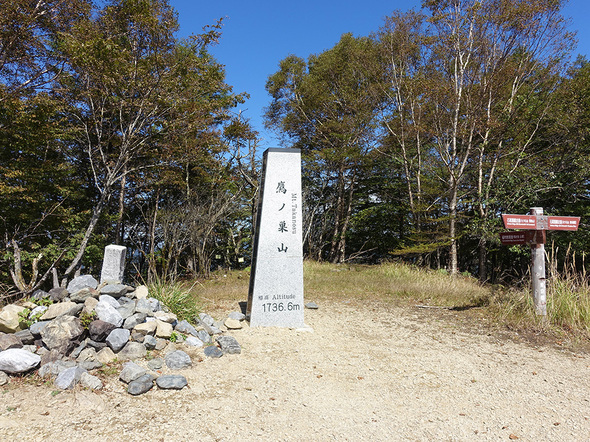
[275,296]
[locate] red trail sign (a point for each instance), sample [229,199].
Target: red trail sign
[533,229]
[541,222]
[563,223]
[528,222]
[511,238]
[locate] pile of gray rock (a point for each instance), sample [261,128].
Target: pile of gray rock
[70,333]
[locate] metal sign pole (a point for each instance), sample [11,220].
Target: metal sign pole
[538,270]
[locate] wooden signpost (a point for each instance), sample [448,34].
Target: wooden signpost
[533,229]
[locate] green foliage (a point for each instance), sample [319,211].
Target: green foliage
[86,318]
[175,337]
[177,298]
[66,164]
[26,320]
[111,369]
[328,106]
[23,318]
[414,140]
[44,301]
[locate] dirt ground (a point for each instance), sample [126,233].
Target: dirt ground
[365,373]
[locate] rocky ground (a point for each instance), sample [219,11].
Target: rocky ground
[368,372]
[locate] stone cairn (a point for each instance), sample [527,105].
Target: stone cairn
[68,334]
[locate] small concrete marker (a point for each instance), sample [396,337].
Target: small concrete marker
[113,264]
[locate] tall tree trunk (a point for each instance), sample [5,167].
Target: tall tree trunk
[341,252]
[338,213]
[483,259]
[453,267]
[152,270]
[96,212]
[119,234]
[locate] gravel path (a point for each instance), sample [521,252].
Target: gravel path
[365,373]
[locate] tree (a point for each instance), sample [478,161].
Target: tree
[403,48]
[481,68]
[28,31]
[38,185]
[324,107]
[106,118]
[565,185]
[130,86]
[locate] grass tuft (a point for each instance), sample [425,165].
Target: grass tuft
[178,298]
[568,304]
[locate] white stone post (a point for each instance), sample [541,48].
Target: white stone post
[113,264]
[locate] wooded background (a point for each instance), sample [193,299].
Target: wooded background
[414,139]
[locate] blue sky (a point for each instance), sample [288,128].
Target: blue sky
[258,34]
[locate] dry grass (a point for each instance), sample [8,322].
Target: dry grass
[397,283]
[391,282]
[222,291]
[568,311]
[568,294]
[568,306]
[568,298]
